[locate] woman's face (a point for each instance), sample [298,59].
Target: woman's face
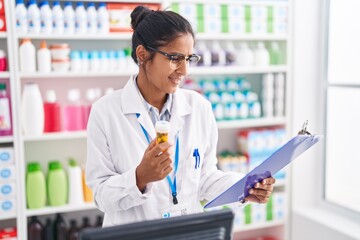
[160,75]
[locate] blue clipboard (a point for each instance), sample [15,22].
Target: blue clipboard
[278,160]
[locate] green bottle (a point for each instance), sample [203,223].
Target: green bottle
[57,184]
[35,186]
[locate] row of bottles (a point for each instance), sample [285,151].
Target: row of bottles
[242,55]
[58,229]
[60,19]
[60,58]
[59,188]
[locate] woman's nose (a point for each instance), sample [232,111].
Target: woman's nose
[184,68]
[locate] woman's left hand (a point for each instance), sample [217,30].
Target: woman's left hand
[261,191]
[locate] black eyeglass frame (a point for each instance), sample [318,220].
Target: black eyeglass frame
[177,56]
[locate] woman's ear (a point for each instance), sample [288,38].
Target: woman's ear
[141,54]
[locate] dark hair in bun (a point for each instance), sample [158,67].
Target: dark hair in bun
[156,28]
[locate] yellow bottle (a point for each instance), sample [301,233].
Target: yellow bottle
[162,129]
[88,196]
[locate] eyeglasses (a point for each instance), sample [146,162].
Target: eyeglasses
[177,59]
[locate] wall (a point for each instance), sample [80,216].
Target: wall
[310,218]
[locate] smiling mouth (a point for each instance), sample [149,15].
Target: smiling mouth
[176,80]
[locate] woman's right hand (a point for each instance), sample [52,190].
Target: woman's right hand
[155,164]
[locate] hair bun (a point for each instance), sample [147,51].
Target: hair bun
[137,15]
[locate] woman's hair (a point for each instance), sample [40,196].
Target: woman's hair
[156,28]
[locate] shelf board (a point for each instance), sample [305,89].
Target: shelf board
[7,216]
[258,122]
[6,139]
[4,74]
[3,34]
[237,70]
[249,227]
[56,136]
[61,209]
[76,75]
[242,37]
[109,36]
[280,183]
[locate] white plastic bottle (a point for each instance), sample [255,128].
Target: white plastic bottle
[94,61]
[103,18]
[76,196]
[268,95]
[230,53]
[279,104]
[44,58]
[21,17]
[80,18]
[121,60]
[33,16]
[69,18]
[45,17]
[75,61]
[245,55]
[32,110]
[27,56]
[205,54]
[91,18]
[58,18]
[218,55]
[261,56]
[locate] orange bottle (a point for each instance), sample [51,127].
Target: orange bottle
[88,196]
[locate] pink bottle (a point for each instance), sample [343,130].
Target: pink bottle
[5,113]
[3,62]
[52,112]
[90,98]
[73,113]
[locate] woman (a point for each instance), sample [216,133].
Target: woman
[132,177]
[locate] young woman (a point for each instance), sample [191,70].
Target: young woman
[132,177]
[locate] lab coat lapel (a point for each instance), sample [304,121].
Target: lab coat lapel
[131,103]
[180,108]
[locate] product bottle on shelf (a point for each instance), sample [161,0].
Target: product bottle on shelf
[60,228]
[35,186]
[90,97]
[73,231]
[268,95]
[76,196]
[57,186]
[75,61]
[49,230]
[85,63]
[261,56]
[5,113]
[21,17]
[58,18]
[33,16]
[245,56]
[52,112]
[230,53]
[45,17]
[279,104]
[3,61]
[91,18]
[80,18]
[103,19]
[27,56]
[88,196]
[275,54]
[32,110]
[73,114]
[69,18]
[85,223]
[94,61]
[35,229]
[204,53]
[218,55]
[99,221]
[44,58]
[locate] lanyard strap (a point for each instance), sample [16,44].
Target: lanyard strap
[172,184]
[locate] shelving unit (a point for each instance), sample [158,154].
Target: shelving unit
[28,148]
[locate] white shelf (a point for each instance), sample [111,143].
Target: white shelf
[237,70]
[3,35]
[109,36]
[258,122]
[76,75]
[4,74]
[56,136]
[6,139]
[249,227]
[241,37]
[7,216]
[280,183]
[61,209]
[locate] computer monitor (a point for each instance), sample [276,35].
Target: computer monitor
[213,225]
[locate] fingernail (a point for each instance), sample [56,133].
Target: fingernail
[264,182]
[251,191]
[257,185]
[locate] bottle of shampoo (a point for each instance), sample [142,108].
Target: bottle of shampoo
[57,184]
[27,56]
[5,113]
[76,196]
[44,58]
[88,196]
[35,186]
[73,114]
[52,112]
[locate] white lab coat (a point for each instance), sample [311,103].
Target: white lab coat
[116,144]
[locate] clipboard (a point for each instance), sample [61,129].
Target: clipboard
[278,160]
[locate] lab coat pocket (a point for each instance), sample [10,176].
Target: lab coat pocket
[193,171]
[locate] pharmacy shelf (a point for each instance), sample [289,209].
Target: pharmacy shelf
[56,136]
[246,123]
[3,35]
[6,139]
[4,74]
[244,2]
[61,209]
[237,70]
[274,223]
[109,36]
[7,216]
[242,37]
[280,183]
[69,74]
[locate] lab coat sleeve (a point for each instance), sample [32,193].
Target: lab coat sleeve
[112,191]
[213,181]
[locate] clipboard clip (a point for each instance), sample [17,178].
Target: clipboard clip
[303,130]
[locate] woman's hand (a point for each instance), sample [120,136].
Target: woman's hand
[155,164]
[261,191]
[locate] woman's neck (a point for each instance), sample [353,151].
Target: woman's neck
[150,93]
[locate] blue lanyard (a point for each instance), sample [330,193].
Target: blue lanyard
[171,184]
